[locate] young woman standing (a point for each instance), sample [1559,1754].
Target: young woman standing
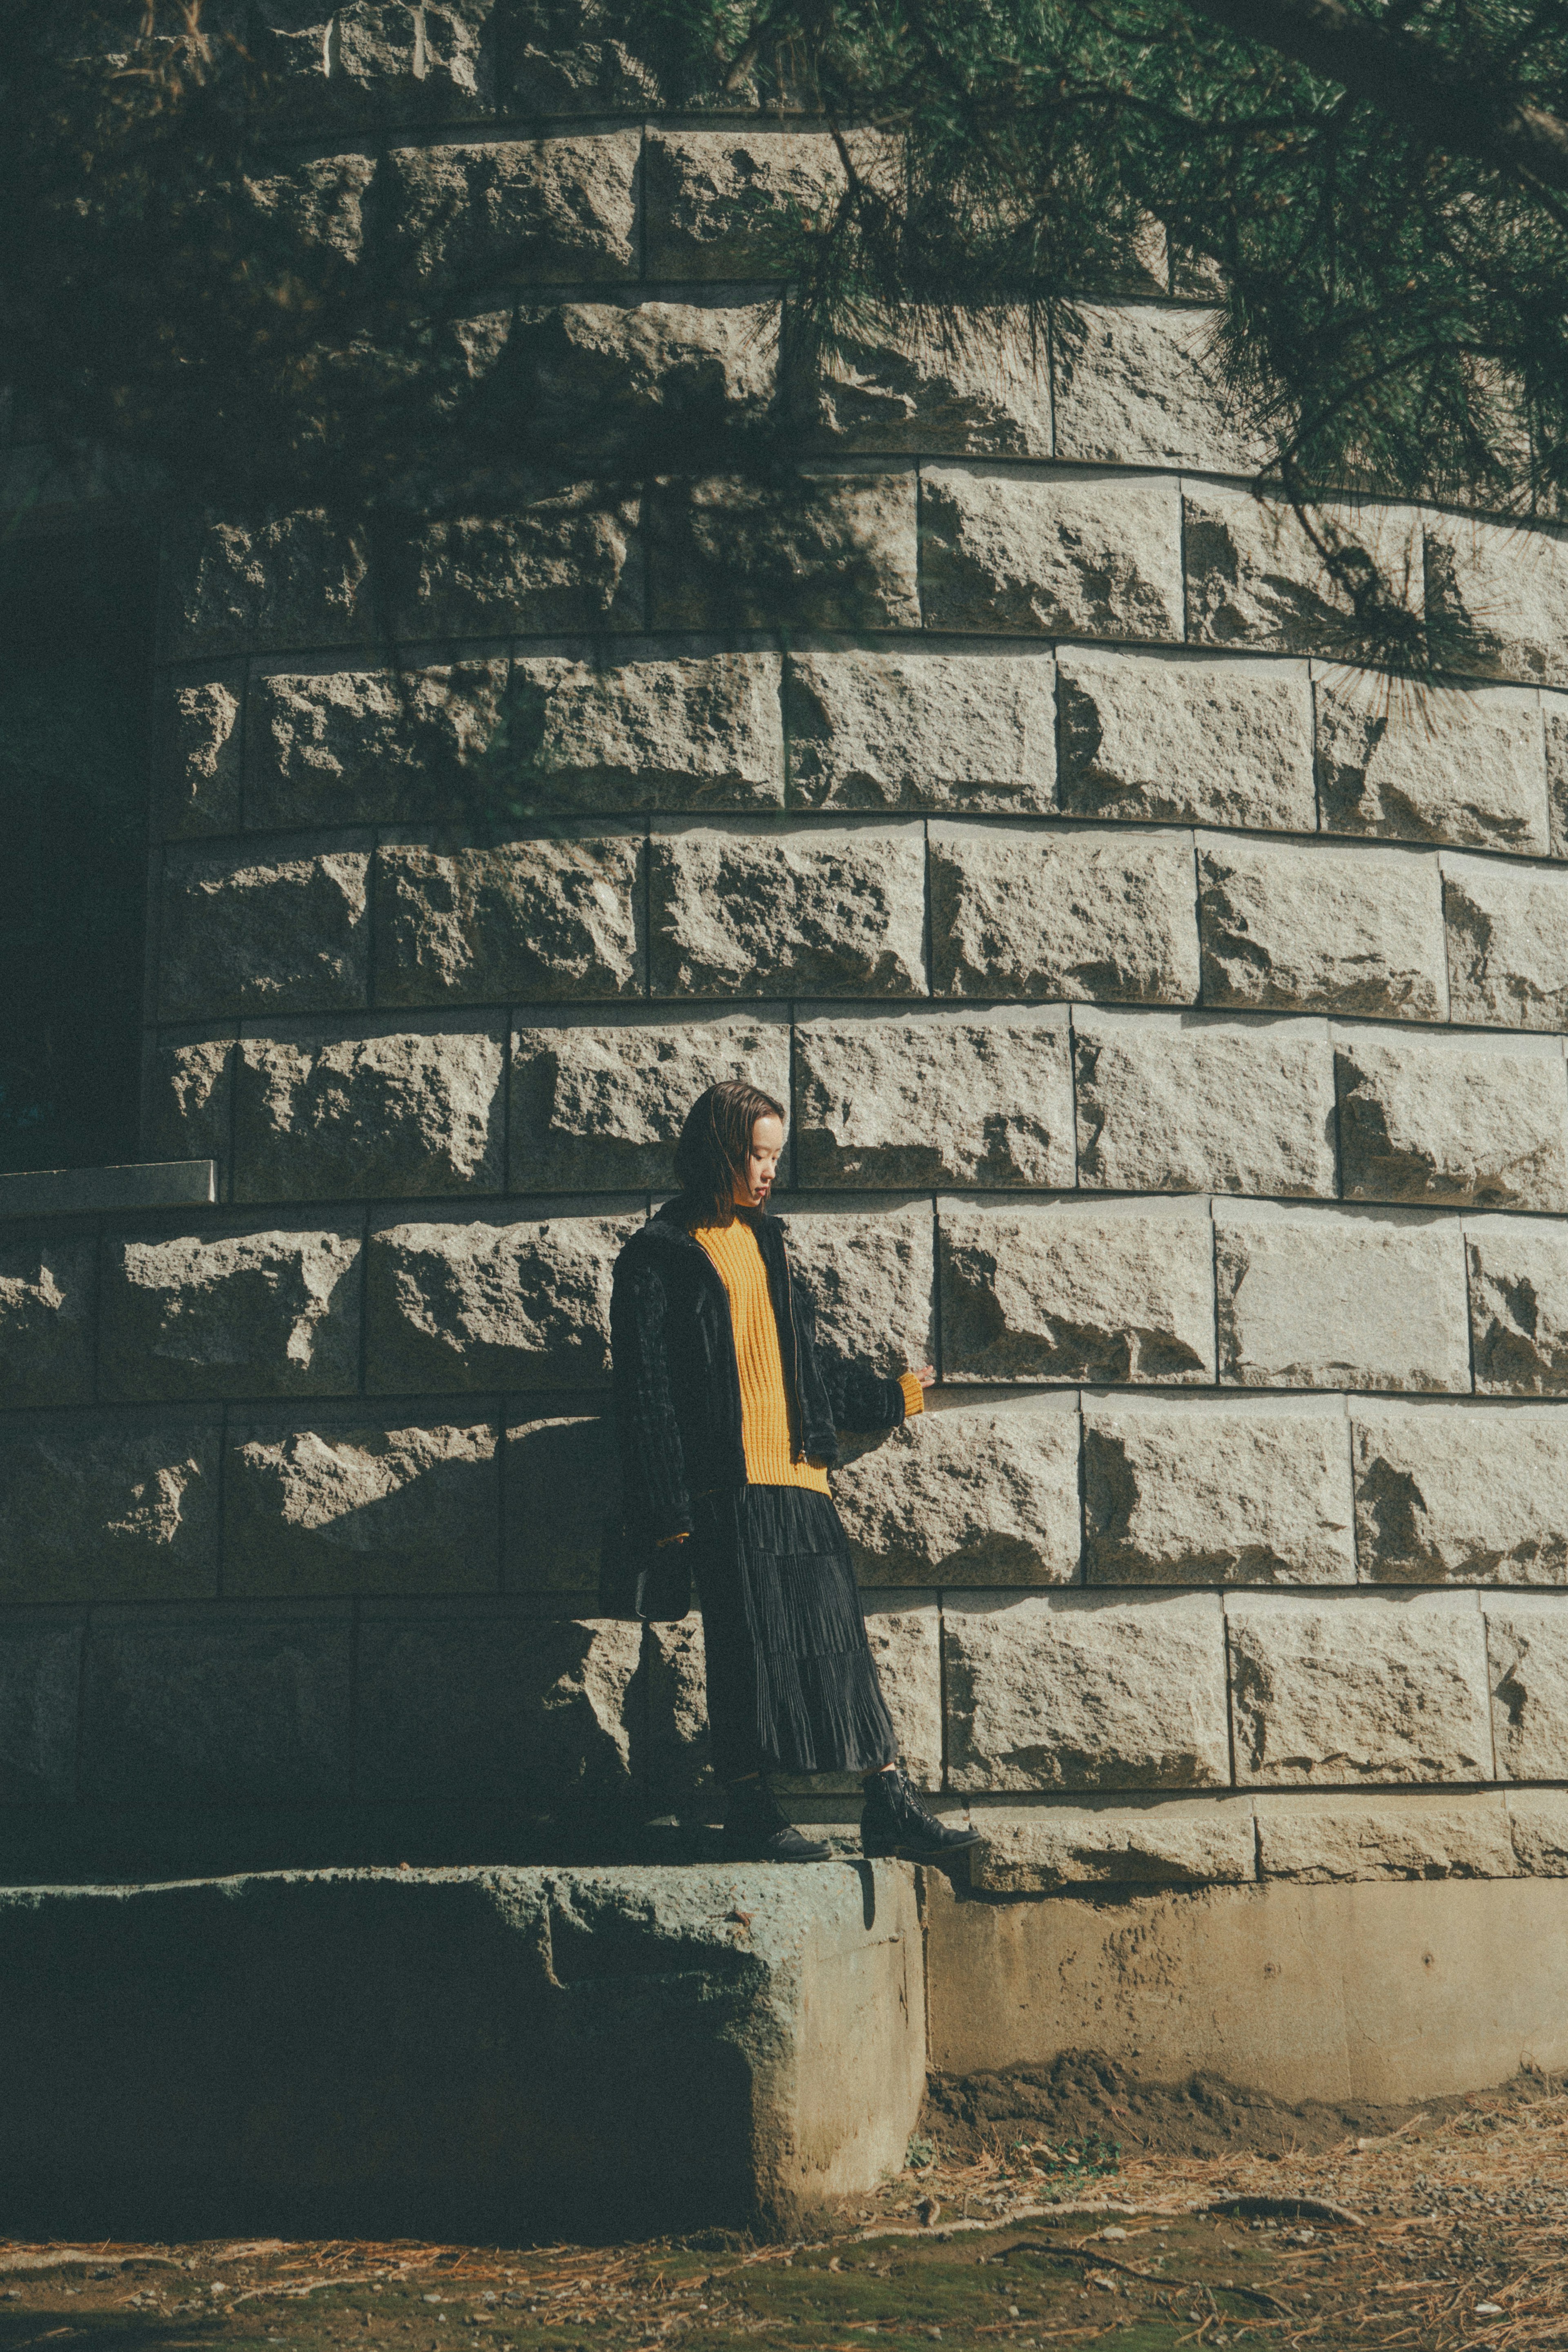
[728,1406]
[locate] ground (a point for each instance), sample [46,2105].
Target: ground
[1075,2205]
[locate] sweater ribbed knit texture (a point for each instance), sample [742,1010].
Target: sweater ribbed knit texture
[764,1404]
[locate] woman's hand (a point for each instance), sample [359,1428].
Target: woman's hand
[926,1375]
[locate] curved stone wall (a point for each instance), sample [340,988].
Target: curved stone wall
[1173,1026]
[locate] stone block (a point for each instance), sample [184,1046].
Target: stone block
[1324,927]
[526,1711]
[549,211]
[399,1111]
[341,746]
[1322,1840]
[1195,1102]
[288,931]
[721,203]
[1076,1690]
[871,1271]
[351,1502]
[1212,1493]
[40,1676]
[1339,1298]
[596,1102]
[47,1316]
[1077,1290]
[579,57]
[976,385]
[1508,943]
[970,732]
[831,547]
[231,1307]
[1060,913]
[1045,1848]
[1497,598]
[1137,386]
[680,1773]
[568,556]
[490,1300]
[562,1496]
[1554,710]
[603,376]
[648,733]
[488,921]
[1452,1119]
[376,61]
[736,910]
[1527,1656]
[941,1096]
[1461,1493]
[1467,767]
[241,586]
[312,215]
[1068,555]
[1358,1690]
[187,1108]
[242,1707]
[1518,1304]
[967,1495]
[1155,736]
[1253,577]
[199,736]
[108,1506]
[1538,1823]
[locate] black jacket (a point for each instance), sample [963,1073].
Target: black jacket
[677,1397]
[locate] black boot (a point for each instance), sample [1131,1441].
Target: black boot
[756,1831]
[895,1823]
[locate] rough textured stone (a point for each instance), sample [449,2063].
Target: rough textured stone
[596,1103]
[1538,1821]
[234,586]
[231,1309]
[567,556]
[47,1317]
[351,1504]
[576,57]
[1518,1304]
[1465,767]
[1193,1102]
[478,1303]
[839,911]
[1149,736]
[540,920]
[1456,1119]
[941,1098]
[375,62]
[966,1495]
[366,746]
[1113,1290]
[289,932]
[977,386]
[562,1497]
[108,1506]
[1497,598]
[717,203]
[963,732]
[1078,1691]
[1461,1493]
[1133,387]
[1320,1839]
[1252,576]
[199,755]
[1358,1690]
[1321,929]
[597,376]
[871,1271]
[549,210]
[41,1678]
[835,549]
[679,1771]
[1527,1654]
[1217,1494]
[1508,943]
[316,207]
[398,1111]
[1071,555]
[1160,1842]
[188,1100]
[1554,710]
[647,733]
[1062,914]
[1354,1298]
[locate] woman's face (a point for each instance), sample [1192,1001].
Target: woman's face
[755,1181]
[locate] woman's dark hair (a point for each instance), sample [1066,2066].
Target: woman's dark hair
[713,1147]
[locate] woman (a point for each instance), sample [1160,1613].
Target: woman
[727,1408]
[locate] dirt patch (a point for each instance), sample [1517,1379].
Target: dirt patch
[1083,2100]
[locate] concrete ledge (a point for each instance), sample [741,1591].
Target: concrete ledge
[467,2052]
[83,1192]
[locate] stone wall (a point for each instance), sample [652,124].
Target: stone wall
[1172,1021]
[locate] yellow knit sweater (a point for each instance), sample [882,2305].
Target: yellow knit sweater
[764,1404]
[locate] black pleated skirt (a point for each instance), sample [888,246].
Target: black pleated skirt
[791,1684]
